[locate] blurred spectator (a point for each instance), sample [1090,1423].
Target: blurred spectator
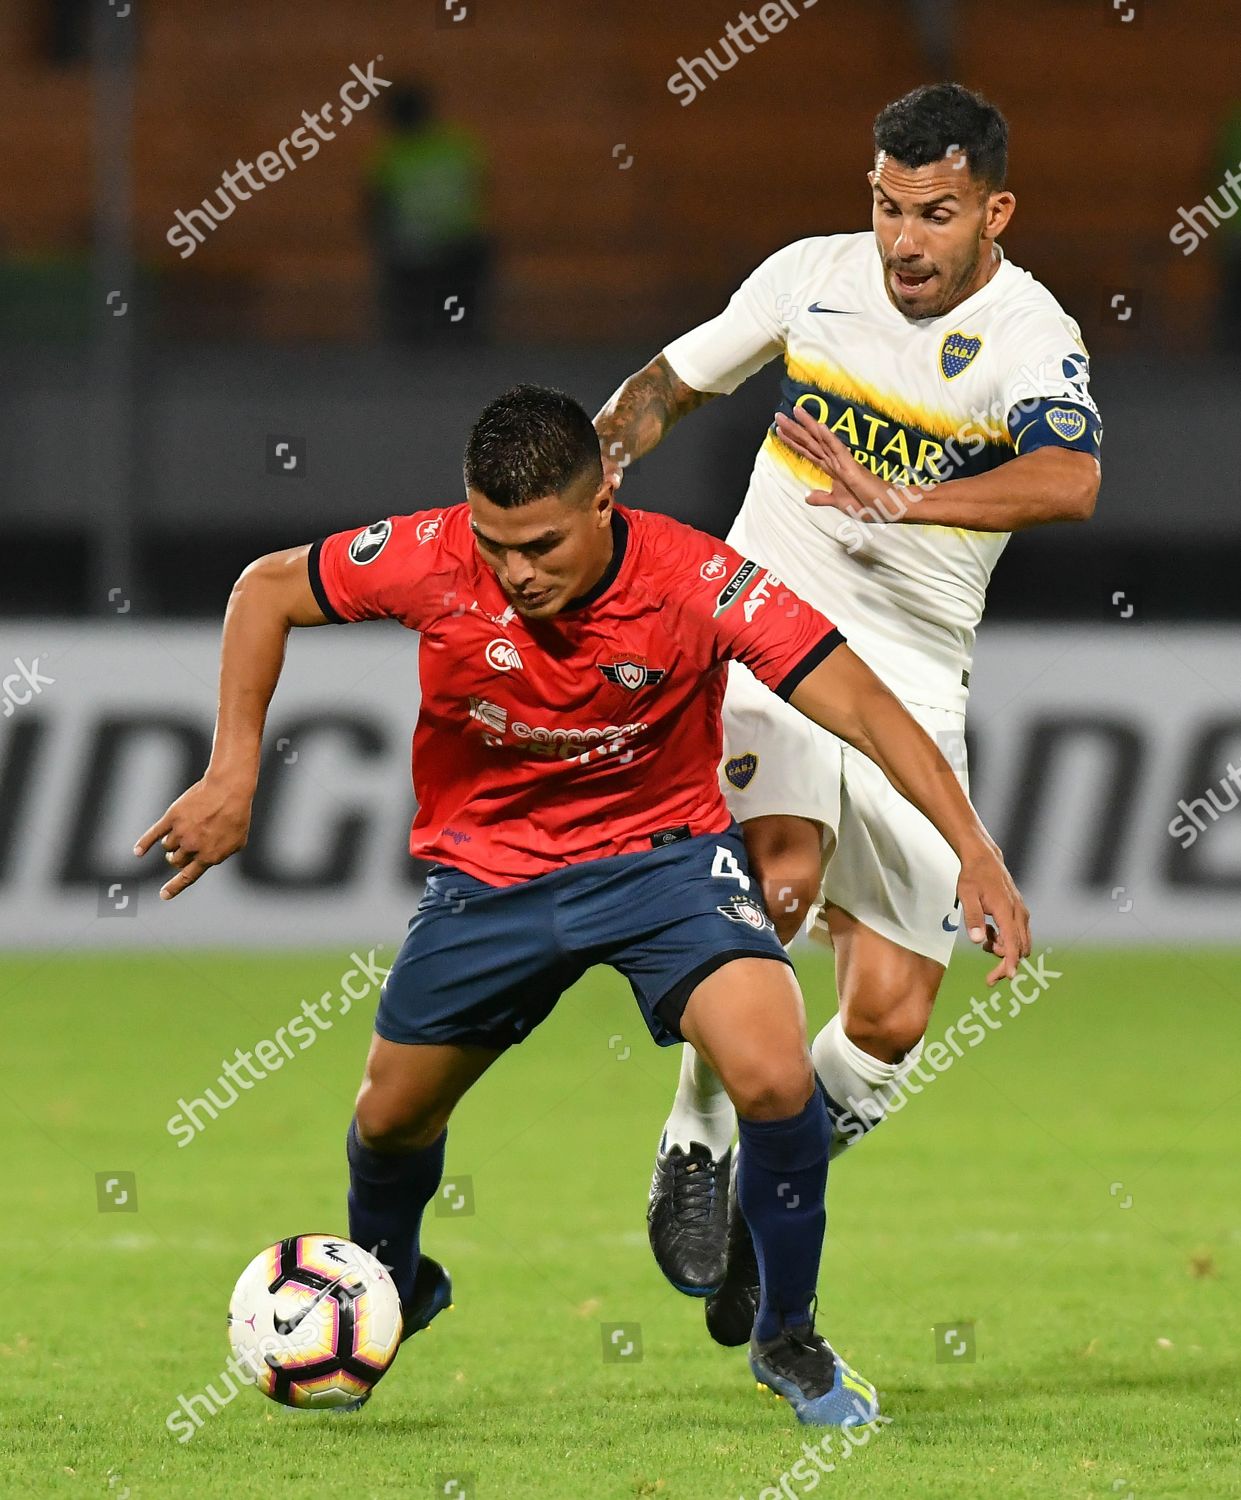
[1228,235]
[426,189]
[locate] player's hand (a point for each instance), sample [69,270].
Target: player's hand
[202,828]
[855,490]
[986,889]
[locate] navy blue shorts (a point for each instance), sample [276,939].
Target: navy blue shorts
[482,965]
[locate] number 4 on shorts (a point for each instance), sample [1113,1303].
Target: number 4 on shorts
[725,867]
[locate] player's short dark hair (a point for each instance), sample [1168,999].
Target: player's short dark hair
[530,442]
[923,125]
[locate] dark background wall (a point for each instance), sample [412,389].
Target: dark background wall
[141,394]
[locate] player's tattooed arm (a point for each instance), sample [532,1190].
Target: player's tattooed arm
[641,411]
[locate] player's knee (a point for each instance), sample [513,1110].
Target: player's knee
[388,1122]
[771,1089]
[889,1032]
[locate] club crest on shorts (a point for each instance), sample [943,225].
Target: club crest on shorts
[631,674]
[1065,423]
[957,353]
[740,770]
[368,544]
[749,913]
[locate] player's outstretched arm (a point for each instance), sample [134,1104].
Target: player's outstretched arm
[1046,484]
[844,696]
[642,410]
[211,820]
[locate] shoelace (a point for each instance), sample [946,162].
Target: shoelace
[695,1184]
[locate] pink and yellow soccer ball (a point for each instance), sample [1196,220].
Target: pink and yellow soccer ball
[317,1321]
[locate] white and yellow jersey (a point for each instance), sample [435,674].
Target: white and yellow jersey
[1002,373]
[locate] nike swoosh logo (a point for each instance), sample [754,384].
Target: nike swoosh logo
[286,1326]
[845,311]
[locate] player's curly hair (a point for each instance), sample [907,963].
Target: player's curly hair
[927,123]
[530,442]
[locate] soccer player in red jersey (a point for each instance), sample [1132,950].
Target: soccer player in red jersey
[572,657]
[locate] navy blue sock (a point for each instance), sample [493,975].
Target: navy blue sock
[781,1180]
[388,1192]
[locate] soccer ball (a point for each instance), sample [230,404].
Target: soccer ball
[316,1320]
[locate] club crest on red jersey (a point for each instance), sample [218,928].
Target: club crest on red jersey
[427,531]
[713,569]
[631,674]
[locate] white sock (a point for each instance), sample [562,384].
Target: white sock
[701,1111]
[861,1089]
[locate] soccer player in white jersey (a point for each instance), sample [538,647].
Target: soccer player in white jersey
[935,399]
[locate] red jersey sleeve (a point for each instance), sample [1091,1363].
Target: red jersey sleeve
[384,571]
[753,617]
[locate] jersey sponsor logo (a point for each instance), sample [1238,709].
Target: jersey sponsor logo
[632,674]
[957,353]
[427,531]
[368,544]
[553,744]
[713,570]
[614,745]
[894,449]
[491,715]
[734,586]
[759,596]
[1066,424]
[503,656]
[748,913]
[740,770]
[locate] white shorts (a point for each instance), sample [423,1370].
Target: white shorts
[888,866]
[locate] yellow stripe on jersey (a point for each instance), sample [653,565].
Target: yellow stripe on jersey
[801,468]
[833,381]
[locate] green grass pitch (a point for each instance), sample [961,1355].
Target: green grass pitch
[1069,1188]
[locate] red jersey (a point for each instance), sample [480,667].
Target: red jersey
[542,743]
